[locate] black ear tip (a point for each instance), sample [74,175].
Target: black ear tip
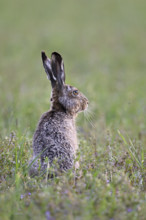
[57,56]
[44,57]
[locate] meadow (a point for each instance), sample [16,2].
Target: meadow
[104,49]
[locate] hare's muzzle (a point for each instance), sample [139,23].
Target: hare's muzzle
[85,104]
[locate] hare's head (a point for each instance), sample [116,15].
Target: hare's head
[64,97]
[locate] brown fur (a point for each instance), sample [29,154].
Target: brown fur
[55,137]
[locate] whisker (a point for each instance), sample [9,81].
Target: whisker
[90,117]
[89,111]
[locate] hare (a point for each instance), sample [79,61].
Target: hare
[55,138]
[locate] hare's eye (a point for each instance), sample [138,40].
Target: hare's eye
[75,92]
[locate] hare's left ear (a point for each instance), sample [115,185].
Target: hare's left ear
[58,68]
[48,69]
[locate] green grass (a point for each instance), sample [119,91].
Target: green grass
[103,46]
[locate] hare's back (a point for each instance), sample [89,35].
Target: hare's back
[55,131]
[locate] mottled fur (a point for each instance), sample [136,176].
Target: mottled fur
[55,137]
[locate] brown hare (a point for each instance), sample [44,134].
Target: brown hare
[55,138]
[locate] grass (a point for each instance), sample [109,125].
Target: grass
[103,45]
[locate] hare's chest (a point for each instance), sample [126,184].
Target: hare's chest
[70,133]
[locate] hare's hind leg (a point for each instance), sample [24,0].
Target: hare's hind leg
[34,166]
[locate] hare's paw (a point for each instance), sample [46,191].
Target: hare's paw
[77,165]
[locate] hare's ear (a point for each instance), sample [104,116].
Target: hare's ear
[48,69]
[58,68]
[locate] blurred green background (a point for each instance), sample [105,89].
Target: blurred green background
[103,45]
